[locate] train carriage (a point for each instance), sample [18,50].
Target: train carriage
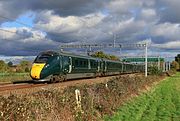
[113,67]
[57,66]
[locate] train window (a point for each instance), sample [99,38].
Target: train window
[66,60]
[80,63]
[76,63]
[42,58]
[86,63]
[83,63]
[95,64]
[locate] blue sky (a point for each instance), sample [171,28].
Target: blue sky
[73,22]
[25,18]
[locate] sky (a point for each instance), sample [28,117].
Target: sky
[30,26]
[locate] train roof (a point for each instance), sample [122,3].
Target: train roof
[78,56]
[81,56]
[87,57]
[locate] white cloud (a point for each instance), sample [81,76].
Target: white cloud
[166,30]
[169,45]
[26,42]
[91,22]
[149,15]
[95,27]
[48,21]
[123,6]
[20,34]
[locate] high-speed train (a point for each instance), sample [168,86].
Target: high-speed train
[59,66]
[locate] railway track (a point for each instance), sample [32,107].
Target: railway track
[11,86]
[25,85]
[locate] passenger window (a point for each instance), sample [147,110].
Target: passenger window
[76,62]
[81,63]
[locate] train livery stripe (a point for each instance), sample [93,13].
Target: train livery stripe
[36,70]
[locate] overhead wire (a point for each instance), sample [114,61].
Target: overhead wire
[14,20]
[5,30]
[24,24]
[19,22]
[17,33]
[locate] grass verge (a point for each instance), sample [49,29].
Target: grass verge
[9,77]
[162,103]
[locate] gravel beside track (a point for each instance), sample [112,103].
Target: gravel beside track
[25,88]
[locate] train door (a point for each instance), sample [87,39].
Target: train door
[124,67]
[67,66]
[105,66]
[98,68]
[55,65]
[70,65]
[60,64]
[102,66]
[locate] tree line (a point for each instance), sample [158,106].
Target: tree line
[100,54]
[23,66]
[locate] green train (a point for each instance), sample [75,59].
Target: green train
[59,66]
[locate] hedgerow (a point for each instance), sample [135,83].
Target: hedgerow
[97,100]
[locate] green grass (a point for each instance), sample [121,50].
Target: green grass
[9,77]
[162,103]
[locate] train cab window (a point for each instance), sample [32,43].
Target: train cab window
[42,58]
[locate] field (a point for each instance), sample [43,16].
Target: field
[161,103]
[9,77]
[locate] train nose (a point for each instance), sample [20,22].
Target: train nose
[36,70]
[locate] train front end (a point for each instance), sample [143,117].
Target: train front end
[36,70]
[42,66]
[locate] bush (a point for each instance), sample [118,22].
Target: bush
[100,54]
[153,70]
[97,100]
[3,66]
[175,65]
[27,69]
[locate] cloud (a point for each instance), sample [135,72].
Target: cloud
[84,21]
[26,42]
[165,31]
[169,10]
[63,8]
[67,29]
[11,9]
[174,45]
[148,15]
[96,27]
[123,6]
[48,21]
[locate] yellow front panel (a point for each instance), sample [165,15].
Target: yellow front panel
[36,70]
